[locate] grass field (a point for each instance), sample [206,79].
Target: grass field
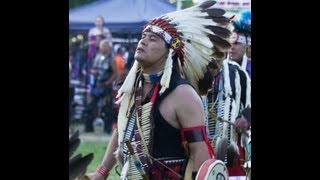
[96,144]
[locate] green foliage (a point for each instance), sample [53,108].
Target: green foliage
[187,3]
[76,3]
[97,147]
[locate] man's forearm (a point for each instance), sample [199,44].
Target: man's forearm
[109,159]
[111,79]
[198,153]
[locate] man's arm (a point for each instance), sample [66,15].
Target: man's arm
[243,122]
[190,113]
[109,159]
[114,72]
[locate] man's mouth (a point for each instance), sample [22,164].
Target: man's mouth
[140,49]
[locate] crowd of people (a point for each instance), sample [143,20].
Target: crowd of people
[101,70]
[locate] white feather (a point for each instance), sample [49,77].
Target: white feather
[217,144]
[233,63]
[199,39]
[122,115]
[206,52]
[237,91]
[226,116]
[127,86]
[165,79]
[244,62]
[204,100]
[234,114]
[199,27]
[234,111]
[244,140]
[227,86]
[125,92]
[248,89]
[195,61]
[191,16]
[124,171]
[234,146]
[200,64]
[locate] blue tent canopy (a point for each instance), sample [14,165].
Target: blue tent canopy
[121,16]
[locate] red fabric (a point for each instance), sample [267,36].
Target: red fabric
[159,172]
[155,93]
[236,170]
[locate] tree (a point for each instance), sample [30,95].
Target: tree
[187,3]
[76,3]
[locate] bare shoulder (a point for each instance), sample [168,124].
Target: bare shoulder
[185,93]
[188,106]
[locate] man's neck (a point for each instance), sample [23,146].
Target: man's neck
[151,71]
[239,61]
[152,78]
[105,54]
[154,69]
[99,27]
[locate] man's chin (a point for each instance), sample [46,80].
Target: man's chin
[139,57]
[234,58]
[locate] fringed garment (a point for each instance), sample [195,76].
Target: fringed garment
[159,139]
[229,96]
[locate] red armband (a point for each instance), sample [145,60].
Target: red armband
[102,170]
[115,126]
[196,134]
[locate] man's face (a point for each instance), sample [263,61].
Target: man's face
[105,48]
[150,49]
[238,49]
[99,22]
[248,52]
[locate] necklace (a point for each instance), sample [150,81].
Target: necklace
[151,78]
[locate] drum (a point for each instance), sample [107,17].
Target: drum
[212,169]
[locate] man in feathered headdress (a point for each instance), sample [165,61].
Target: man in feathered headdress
[161,125]
[241,41]
[228,111]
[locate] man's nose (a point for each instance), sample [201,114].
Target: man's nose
[232,46]
[143,41]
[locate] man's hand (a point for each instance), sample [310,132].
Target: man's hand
[96,176]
